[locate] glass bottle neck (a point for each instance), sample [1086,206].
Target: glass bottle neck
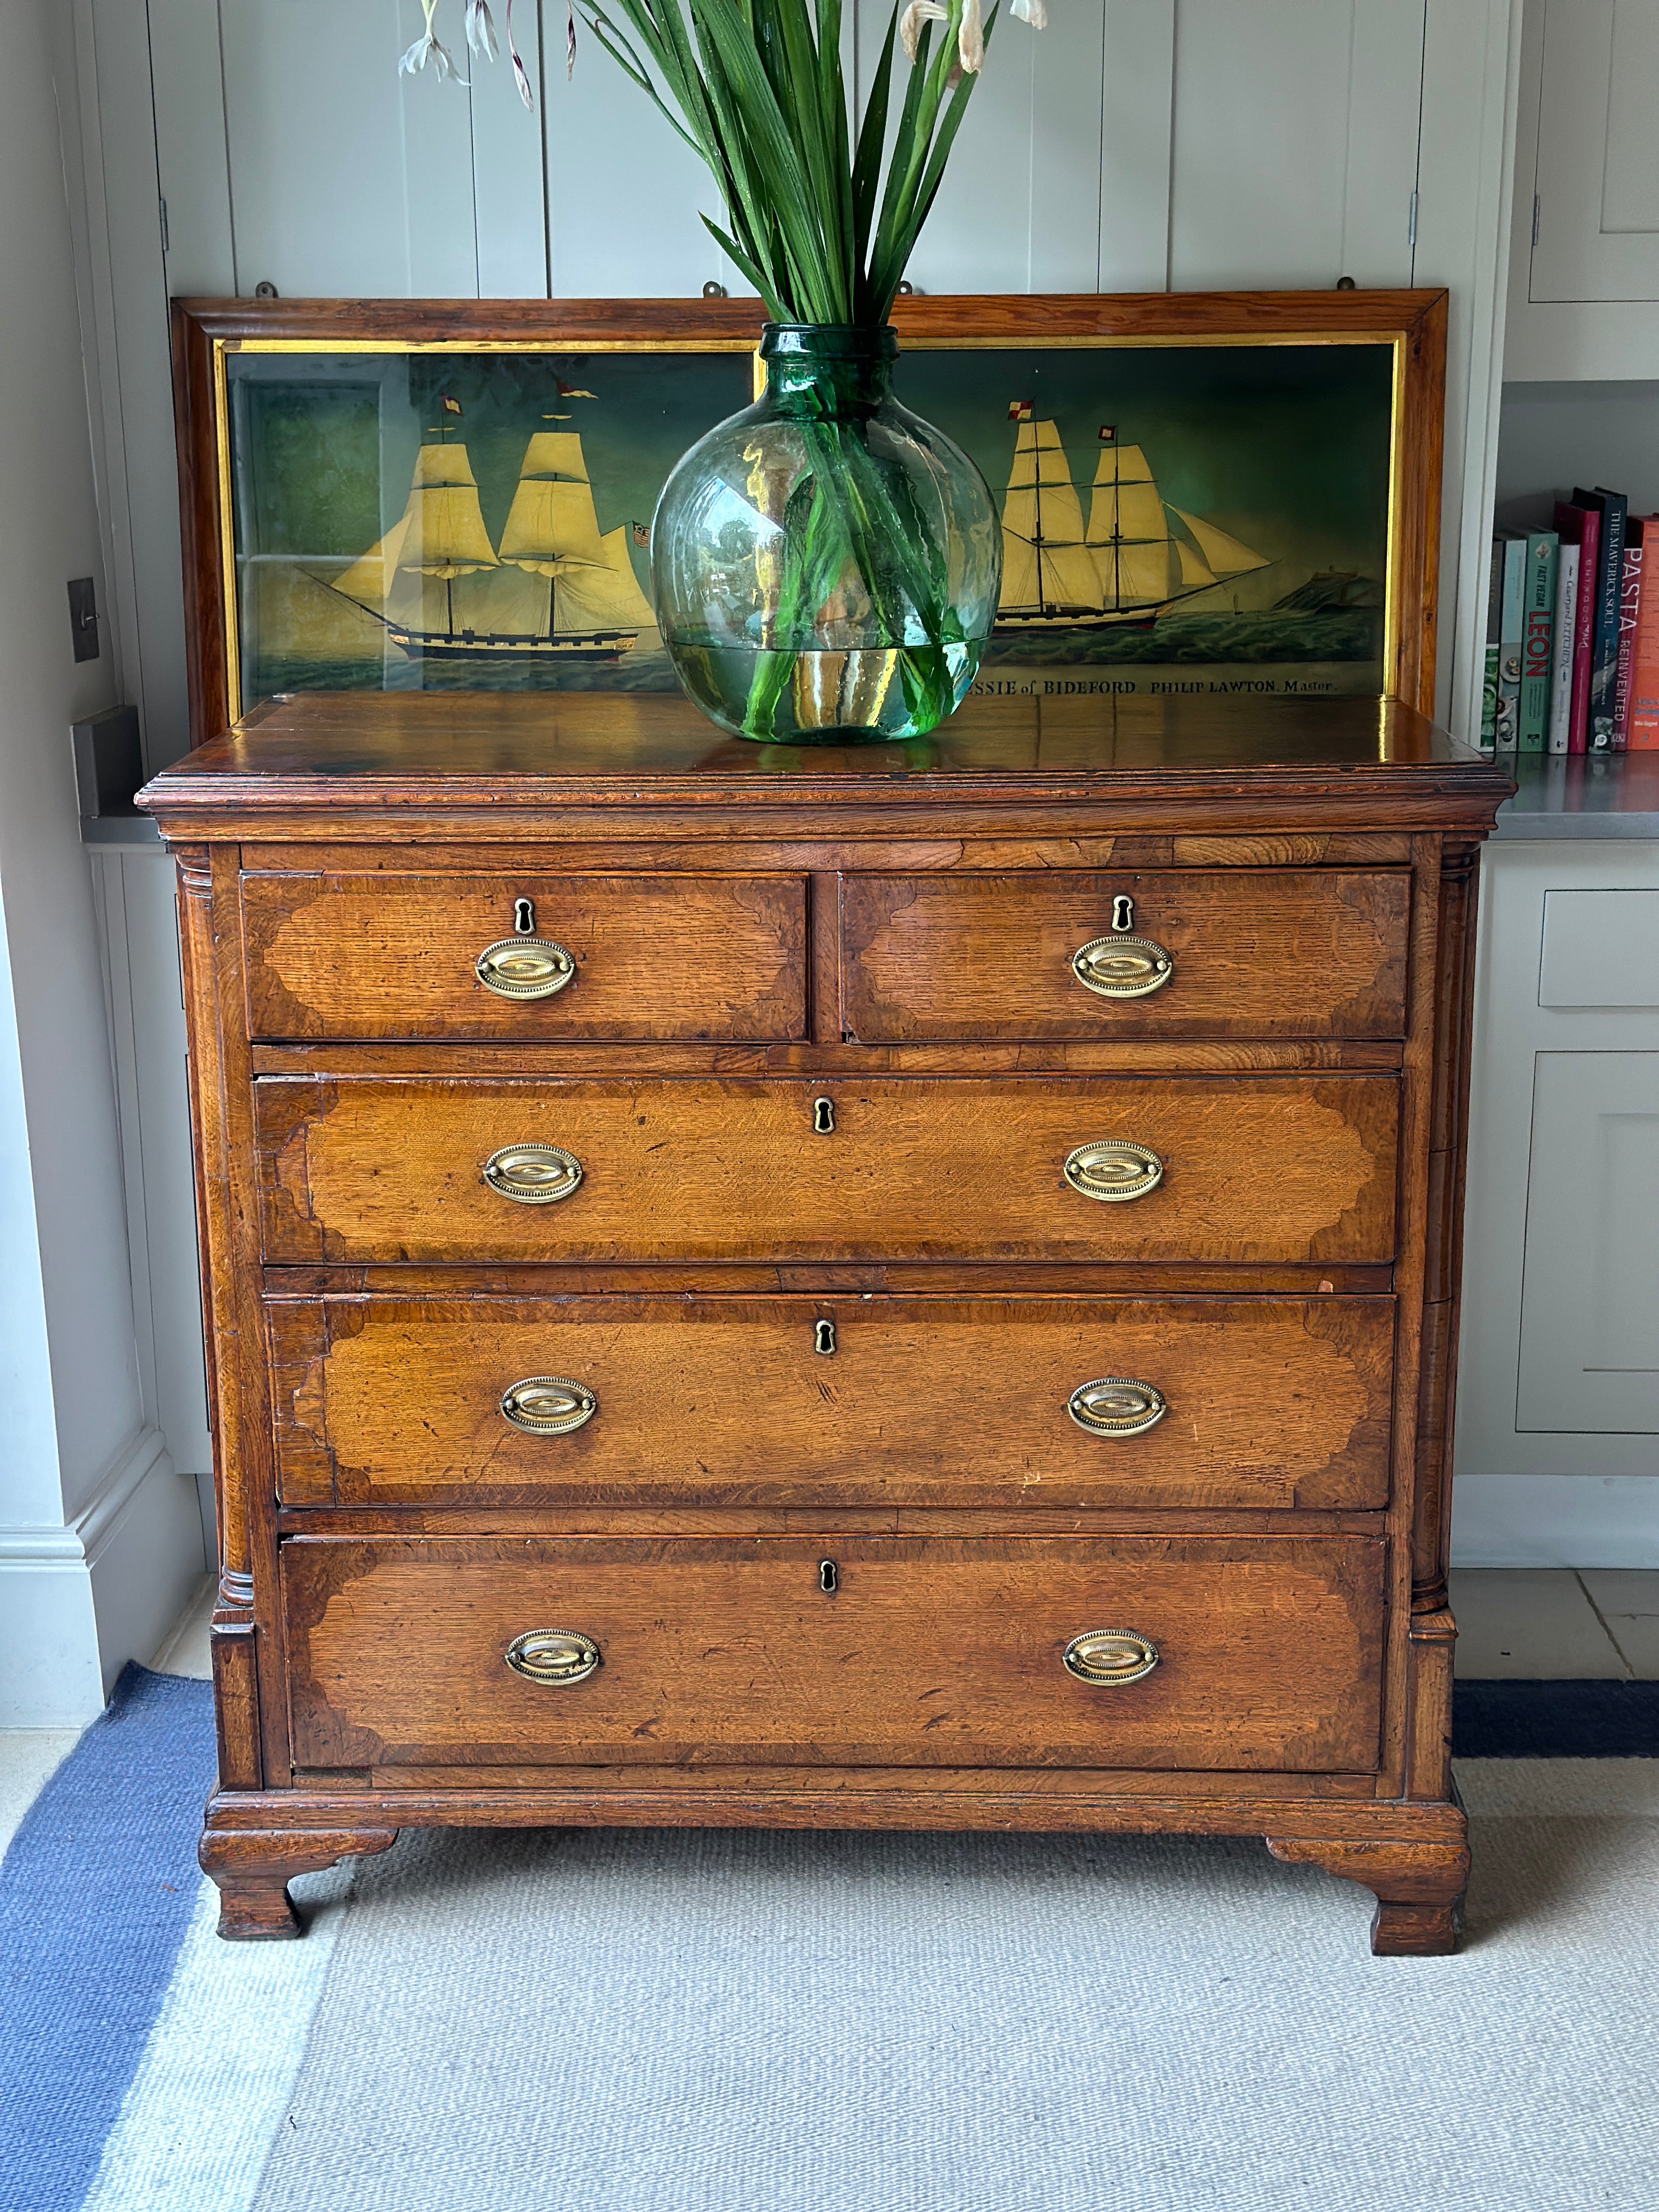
[826,370]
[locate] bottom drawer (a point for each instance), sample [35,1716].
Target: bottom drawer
[927,1652]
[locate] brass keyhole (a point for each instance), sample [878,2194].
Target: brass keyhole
[1123,912]
[823,1336]
[829,1580]
[523,917]
[824,1116]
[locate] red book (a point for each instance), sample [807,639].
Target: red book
[1642,727]
[1582,527]
[1630,603]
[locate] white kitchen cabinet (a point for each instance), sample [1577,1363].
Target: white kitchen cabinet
[1590,1290]
[1584,256]
[1557,1437]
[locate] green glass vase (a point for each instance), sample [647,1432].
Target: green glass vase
[826,564]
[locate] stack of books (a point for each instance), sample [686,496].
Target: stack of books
[1572,633]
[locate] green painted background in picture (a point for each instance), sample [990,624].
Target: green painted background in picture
[1174,517]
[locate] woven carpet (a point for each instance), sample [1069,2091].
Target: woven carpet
[674,2022]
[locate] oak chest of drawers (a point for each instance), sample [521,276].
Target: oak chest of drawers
[912,1286]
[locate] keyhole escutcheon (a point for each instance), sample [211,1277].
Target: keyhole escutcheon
[824,1116]
[523,917]
[829,1580]
[823,1336]
[1123,912]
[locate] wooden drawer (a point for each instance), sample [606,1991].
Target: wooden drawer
[929,1653]
[1255,1169]
[395,956]
[1270,1402]
[1258,952]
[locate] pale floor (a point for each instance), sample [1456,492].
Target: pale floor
[1544,1623]
[29,1757]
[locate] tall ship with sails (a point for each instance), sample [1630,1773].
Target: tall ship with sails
[556,591]
[1135,558]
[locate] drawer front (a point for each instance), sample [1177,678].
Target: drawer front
[928,1653]
[1256,1170]
[388,955]
[1255,952]
[1268,1402]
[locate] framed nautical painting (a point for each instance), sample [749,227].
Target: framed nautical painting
[1198,493]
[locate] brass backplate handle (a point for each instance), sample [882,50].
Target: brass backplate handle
[1120,967]
[1113,1170]
[549,1406]
[1116,1406]
[532,1174]
[525,968]
[555,1657]
[1104,1657]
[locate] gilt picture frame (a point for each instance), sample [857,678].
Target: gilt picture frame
[1200,492]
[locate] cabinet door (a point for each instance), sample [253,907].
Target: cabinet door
[1589,1303]
[1598,183]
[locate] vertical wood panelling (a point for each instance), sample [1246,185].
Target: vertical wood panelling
[625,197]
[136,371]
[1136,145]
[192,152]
[1260,142]
[508,206]
[1385,100]
[346,178]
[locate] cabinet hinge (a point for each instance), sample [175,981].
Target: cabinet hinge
[1411,223]
[1536,206]
[165,242]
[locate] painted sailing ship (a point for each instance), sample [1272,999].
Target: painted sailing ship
[1136,557]
[556,591]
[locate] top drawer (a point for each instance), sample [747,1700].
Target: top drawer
[395,956]
[1252,952]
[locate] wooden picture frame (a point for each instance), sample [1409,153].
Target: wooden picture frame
[1410,325]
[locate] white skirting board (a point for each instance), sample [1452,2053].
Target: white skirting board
[1555,1521]
[77,1602]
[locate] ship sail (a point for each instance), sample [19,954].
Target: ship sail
[552,531]
[1047,569]
[440,537]
[1226,556]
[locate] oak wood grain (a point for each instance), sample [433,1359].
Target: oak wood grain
[1310,952]
[1269,1169]
[927,1653]
[394,956]
[1271,1403]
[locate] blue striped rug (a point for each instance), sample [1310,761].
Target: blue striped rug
[146,2067]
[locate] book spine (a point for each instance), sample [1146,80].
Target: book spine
[1630,600]
[1584,647]
[1508,730]
[1604,668]
[1643,725]
[1538,624]
[1566,633]
[1494,632]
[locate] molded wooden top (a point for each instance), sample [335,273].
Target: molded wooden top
[503,764]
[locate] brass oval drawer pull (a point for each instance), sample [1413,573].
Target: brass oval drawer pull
[549,1406]
[533,1175]
[525,968]
[554,1655]
[1105,1656]
[1121,967]
[1116,1406]
[1113,1170]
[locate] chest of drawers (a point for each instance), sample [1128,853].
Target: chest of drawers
[912,1286]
